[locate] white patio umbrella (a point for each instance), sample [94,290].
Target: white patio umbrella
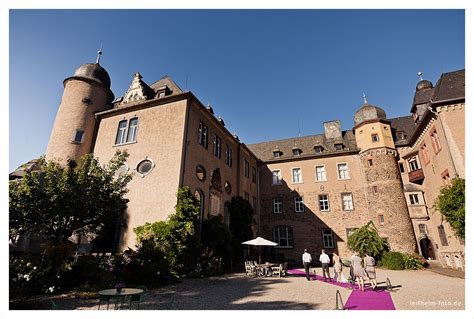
[259,241]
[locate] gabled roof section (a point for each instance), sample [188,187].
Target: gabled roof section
[167,81]
[138,90]
[406,127]
[264,151]
[450,86]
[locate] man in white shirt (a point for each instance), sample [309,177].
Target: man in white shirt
[306,263]
[324,259]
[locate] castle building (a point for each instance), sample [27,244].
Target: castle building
[307,192]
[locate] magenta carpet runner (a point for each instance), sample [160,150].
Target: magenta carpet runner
[358,300]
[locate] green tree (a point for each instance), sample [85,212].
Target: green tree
[177,237]
[240,225]
[58,200]
[451,204]
[366,239]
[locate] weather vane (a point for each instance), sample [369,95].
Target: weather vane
[99,53]
[420,74]
[365,97]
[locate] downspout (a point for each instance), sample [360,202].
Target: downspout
[258,199]
[185,144]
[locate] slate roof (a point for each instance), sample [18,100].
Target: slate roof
[33,165]
[166,80]
[403,124]
[264,150]
[450,85]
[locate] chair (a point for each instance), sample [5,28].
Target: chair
[250,269]
[284,269]
[276,271]
[138,298]
[103,298]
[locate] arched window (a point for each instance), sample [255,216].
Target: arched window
[199,195]
[283,236]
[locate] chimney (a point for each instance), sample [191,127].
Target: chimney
[332,129]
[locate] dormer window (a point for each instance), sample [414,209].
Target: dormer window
[163,91]
[276,153]
[401,135]
[339,146]
[296,151]
[318,149]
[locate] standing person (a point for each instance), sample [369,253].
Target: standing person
[369,263]
[336,261]
[359,273]
[307,263]
[324,259]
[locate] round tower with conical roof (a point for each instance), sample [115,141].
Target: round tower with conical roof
[383,184]
[85,93]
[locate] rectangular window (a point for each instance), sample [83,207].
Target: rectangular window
[413,164]
[324,203]
[78,136]
[446,178]
[132,130]
[414,199]
[254,202]
[247,197]
[296,152]
[246,168]
[276,175]
[381,219]
[347,203]
[217,146]
[436,142]
[370,162]
[228,155]
[202,134]
[375,189]
[375,137]
[343,171]
[121,132]
[321,173]
[401,167]
[277,205]
[254,175]
[328,240]
[283,236]
[423,229]
[339,146]
[276,154]
[442,236]
[424,154]
[299,204]
[296,174]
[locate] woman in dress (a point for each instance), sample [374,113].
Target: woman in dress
[359,273]
[336,261]
[369,263]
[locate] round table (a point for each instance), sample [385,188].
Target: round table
[125,292]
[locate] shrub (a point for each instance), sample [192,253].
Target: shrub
[366,240]
[413,261]
[451,204]
[393,260]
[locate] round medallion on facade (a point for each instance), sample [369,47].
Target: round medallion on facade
[227,187]
[200,173]
[144,167]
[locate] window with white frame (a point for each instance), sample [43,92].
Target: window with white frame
[299,204]
[343,171]
[132,130]
[277,205]
[328,240]
[324,203]
[246,168]
[121,132]
[321,173]
[283,236]
[413,164]
[276,176]
[423,229]
[228,155]
[296,174]
[79,136]
[414,200]
[347,203]
[217,146]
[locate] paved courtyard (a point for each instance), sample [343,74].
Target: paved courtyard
[417,290]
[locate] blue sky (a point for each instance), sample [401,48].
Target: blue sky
[263,71]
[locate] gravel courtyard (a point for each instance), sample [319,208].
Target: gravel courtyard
[417,290]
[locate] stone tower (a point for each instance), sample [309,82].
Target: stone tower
[383,184]
[85,93]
